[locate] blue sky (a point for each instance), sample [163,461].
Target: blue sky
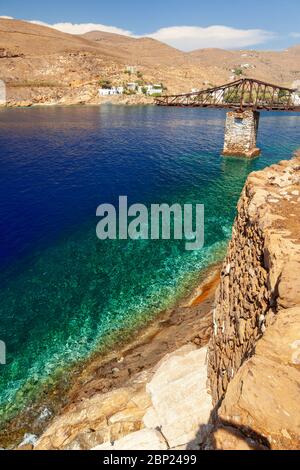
[188,24]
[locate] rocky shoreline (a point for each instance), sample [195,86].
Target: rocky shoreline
[84,95]
[125,368]
[220,370]
[243,394]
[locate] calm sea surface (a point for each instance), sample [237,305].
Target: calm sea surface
[62,291]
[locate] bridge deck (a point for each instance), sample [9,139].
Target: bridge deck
[241,94]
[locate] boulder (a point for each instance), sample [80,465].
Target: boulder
[263,398]
[181,405]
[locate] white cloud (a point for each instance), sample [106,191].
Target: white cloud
[81,28]
[6,17]
[189,38]
[295,35]
[186,38]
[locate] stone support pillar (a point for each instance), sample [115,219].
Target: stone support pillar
[241,134]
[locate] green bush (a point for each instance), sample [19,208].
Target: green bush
[238,72]
[105,83]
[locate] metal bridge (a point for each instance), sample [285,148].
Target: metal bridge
[242,94]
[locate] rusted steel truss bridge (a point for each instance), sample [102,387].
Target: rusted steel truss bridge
[244,94]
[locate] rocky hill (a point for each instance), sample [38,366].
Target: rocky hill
[42,65]
[140,51]
[280,67]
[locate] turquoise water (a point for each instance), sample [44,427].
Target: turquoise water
[62,290]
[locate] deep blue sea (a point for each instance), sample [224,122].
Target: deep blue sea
[63,291]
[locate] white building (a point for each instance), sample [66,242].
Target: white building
[296,99]
[131,68]
[296,95]
[104,91]
[218,96]
[117,90]
[132,86]
[153,89]
[111,91]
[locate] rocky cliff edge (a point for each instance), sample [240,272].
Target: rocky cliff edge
[254,353]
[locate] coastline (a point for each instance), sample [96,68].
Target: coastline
[122,100]
[189,321]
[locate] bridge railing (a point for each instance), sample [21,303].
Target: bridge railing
[241,94]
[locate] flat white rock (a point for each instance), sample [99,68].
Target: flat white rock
[181,404]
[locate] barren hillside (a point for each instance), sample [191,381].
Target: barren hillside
[142,51]
[282,67]
[42,65]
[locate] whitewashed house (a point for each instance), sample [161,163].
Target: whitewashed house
[296,99]
[132,86]
[296,95]
[131,68]
[153,89]
[218,96]
[104,91]
[119,90]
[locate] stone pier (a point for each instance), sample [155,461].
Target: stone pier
[241,134]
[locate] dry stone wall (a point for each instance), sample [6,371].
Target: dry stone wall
[242,300]
[260,272]
[254,352]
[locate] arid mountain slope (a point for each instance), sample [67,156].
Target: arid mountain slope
[42,65]
[140,51]
[282,67]
[23,38]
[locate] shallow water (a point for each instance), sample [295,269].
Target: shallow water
[62,290]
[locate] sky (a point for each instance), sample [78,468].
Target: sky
[185,24]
